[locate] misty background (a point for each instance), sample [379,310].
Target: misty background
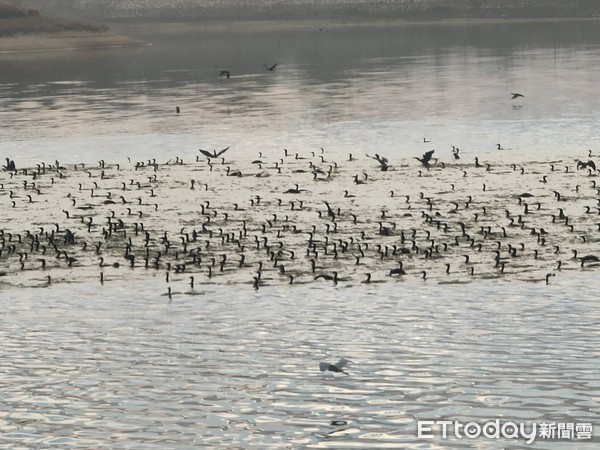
[198,10]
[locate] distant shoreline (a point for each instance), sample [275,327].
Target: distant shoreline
[26,25]
[42,42]
[89,35]
[355,10]
[321,24]
[31,34]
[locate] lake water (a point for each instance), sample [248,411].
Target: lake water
[345,89]
[123,364]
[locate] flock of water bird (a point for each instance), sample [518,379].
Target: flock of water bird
[296,217]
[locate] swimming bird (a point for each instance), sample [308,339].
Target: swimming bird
[337,367]
[214,154]
[294,190]
[177,109]
[357,181]
[270,68]
[398,270]
[589,258]
[333,278]
[225,73]
[455,151]
[330,211]
[516,95]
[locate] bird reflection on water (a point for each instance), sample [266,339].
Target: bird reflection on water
[146,217]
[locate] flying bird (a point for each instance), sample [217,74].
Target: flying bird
[270,68]
[225,73]
[214,154]
[584,165]
[383,162]
[426,158]
[337,367]
[516,95]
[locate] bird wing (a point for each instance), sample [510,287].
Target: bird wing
[591,164]
[427,156]
[221,152]
[323,366]
[206,153]
[342,362]
[271,67]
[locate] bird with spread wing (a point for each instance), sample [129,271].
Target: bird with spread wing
[426,159]
[214,154]
[337,367]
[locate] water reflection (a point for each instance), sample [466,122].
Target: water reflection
[339,87]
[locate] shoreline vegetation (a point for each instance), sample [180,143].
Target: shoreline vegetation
[292,10]
[17,19]
[24,29]
[320,25]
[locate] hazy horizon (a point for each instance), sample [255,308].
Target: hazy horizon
[190,10]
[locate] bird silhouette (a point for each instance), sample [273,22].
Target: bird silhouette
[225,73]
[426,158]
[383,162]
[590,259]
[10,165]
[584,165]
[214,154]
[326,277]
[270,68]
[516,95]
[455,151]
[295,190]
[337,367]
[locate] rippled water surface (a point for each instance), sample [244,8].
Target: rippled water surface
[130,369]
[141,358]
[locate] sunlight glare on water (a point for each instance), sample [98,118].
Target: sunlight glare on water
[130,367]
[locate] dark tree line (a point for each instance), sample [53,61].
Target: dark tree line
[10,9]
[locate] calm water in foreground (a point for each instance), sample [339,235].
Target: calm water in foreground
[122,366]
